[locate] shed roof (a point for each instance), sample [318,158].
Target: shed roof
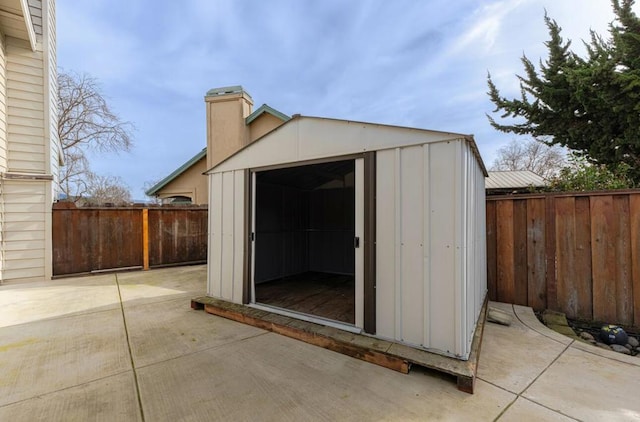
[307,138]
[164,182]
[513,180]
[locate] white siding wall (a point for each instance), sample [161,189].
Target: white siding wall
[51,95]
[25,207]
[3,107]
[30,103]
[226,235]
[426,263]
[25,108]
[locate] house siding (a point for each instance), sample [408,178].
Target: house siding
[25,229]
[30,155]
[35,10]
[3,107]
[54,153]
[192,183]
[25,108]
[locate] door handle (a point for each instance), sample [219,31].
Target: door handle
[356,242]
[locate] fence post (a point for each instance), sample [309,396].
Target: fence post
[145,239]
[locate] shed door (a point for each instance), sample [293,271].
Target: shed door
[307,225]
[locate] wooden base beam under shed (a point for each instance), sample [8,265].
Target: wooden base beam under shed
[396,356]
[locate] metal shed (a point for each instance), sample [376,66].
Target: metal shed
[399,212]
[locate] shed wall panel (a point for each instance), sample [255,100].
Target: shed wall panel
[443,214]
[411,223]
[214,269]
[227,236]
[430,246]
[385,244]
[238,235]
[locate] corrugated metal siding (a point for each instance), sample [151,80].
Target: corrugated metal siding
[428,235]
[226,235]
[430,224]
[513,179]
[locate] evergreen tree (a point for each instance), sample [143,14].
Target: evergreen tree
[591,104]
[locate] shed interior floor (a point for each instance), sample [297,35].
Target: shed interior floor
[330,296]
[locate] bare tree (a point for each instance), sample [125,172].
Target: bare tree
[530,155]
[107,190]
[85,121]
[148,185]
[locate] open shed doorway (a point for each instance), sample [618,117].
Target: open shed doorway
[305,241]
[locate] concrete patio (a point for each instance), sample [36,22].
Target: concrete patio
[128,347]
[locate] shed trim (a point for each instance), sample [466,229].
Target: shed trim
[370,242]
[450,137]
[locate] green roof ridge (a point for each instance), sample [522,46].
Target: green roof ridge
[264,108]
[177,172]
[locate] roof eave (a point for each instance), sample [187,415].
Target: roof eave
[177,172]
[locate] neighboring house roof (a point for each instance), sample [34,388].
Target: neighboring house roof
[513,180]
[266,109]
[164,182]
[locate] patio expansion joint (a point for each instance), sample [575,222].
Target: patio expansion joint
[521,393]
[57,390]
[133,367]
[206,349]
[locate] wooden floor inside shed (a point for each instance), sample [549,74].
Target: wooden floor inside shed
[330,296]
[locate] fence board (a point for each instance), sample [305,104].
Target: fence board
[177,235]
[567,289]
[492,242]
[520,252]
[505,258]
[603,225]
[624,293]
[550,245]
[536,263]
[582,253]
[634,223]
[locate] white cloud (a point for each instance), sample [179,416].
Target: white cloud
[403,62]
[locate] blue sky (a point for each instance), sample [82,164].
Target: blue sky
[410,63]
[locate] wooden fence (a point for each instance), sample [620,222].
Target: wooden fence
[578,253]
[95,239]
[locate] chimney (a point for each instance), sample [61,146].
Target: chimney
[227,132]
